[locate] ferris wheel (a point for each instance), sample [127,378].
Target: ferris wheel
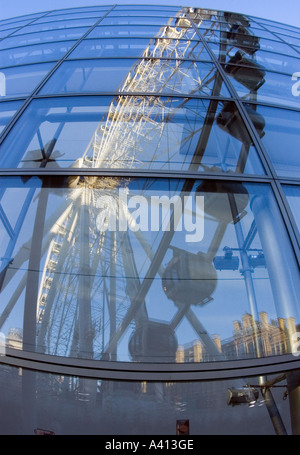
[83,309]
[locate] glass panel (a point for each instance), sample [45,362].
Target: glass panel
[110,48]
[165,45]
[94,15]
[113,31]
[35,53]
[285,29]
[145,270]
[281,136]
[132,132]
[5,33]
[221,49]
[84,9]
[56,25]
[7,111]
[22,80]
[42,37]
[140,20]
[14,24]
[63,405]
[144,11]
[80,76]
[26,17]
[141,8]
[292,193]
[264,60]
[148,75]
[236,32]
[289,39]
[253,83]
[168,42]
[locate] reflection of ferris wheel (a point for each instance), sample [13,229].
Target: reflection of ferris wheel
[70,317]
[82,307]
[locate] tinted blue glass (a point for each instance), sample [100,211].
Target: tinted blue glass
[26,17]
[146,11]
[265,86]
[149,31]
[280,137]
[61,127]
[292,193]
[170,246]
[56,25]
[93,15]
[191,281]
[125,75]
[220,49]
[7,111]
[22,80]
[139,20]
[110,48]
[145,8]
[35,53]
[42,37]
[105,75]
[264,60]
[95,9]
[186,134]
[295,41]
[285,29]
[160,47]
[13,24]
[5,33]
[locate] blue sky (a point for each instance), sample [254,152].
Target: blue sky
[287,11]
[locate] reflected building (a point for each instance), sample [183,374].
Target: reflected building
[272,338]
[149,197]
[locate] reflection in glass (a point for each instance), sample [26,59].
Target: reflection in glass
[35,53]
[167,46]
[22,80]
[126,75]
[42,37]
[89,14]
[293,196]
[276,89]
[290,39]
[141,20]
[62,24]
[264,60]
[272,47]
[178,40]
[85,9]
[117,31]
[248,73]
[100,132]
[144,10]
[281,134]
[68,405]
[146,270]
[4,33]
[12,23]
[7,111]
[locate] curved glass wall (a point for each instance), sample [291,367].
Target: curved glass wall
[149,263]
[130,408]
[149,208]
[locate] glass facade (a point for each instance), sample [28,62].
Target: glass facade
[149,222]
